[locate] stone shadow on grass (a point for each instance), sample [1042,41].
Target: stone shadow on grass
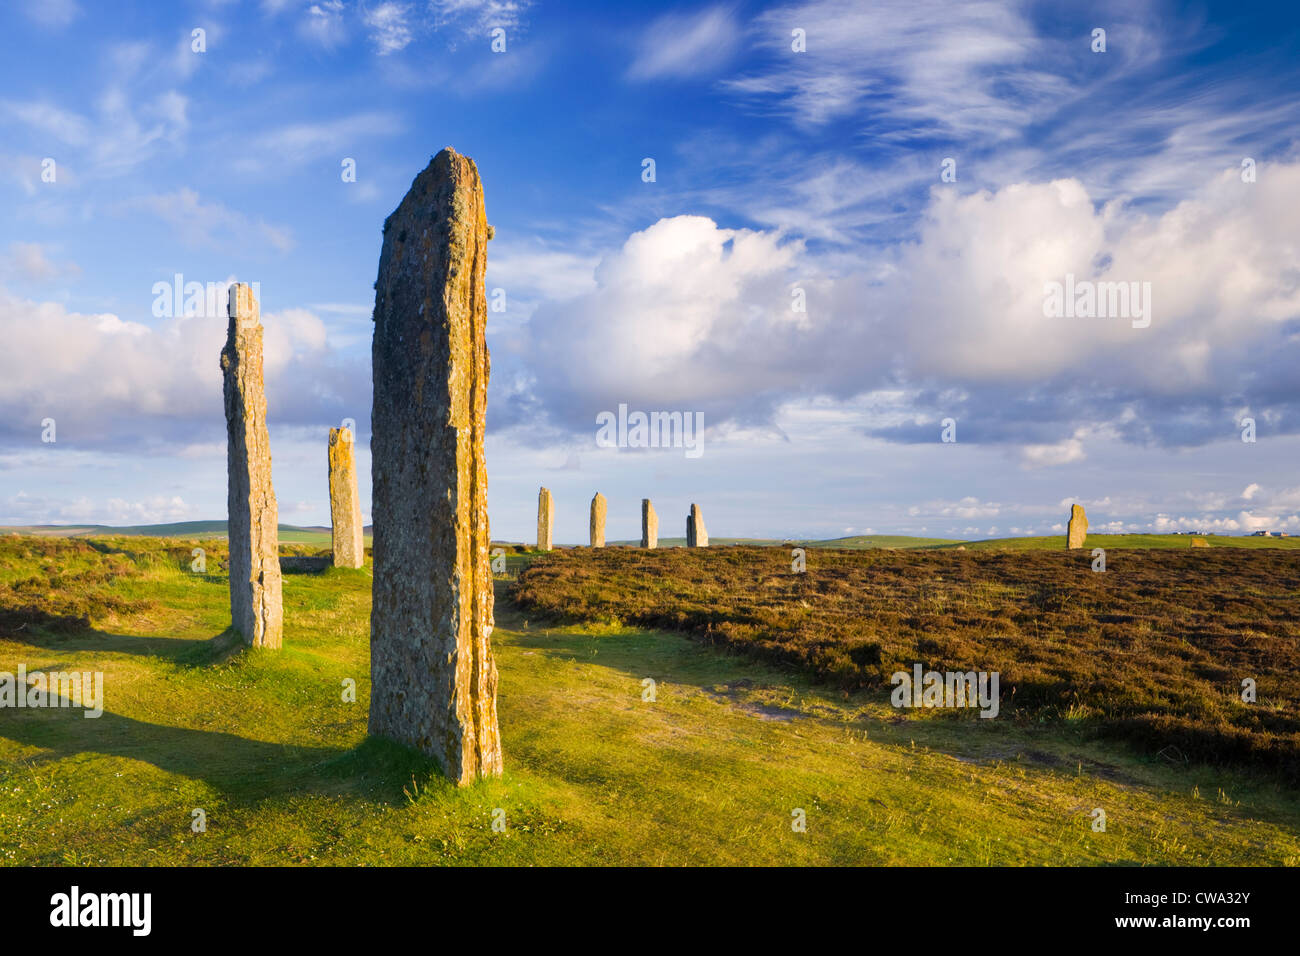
[60,633]
[245,771]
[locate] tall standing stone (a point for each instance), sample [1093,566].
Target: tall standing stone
[598,509]
[345,503]
[545,520]
[649,525]
[696,534]
[1078,527]
[433,677]
[256,604]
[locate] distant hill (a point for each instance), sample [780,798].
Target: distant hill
[292,534]
[858,542]
[1057,542]
[315,534]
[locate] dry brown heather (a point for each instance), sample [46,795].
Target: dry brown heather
[69,585]
[1153,649]
[74,586]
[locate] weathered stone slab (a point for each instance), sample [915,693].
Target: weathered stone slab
[545,520]
[256,603]
[598,508]
[345,502]
[696,534]
[649,525]
[1077,530]
[433,677]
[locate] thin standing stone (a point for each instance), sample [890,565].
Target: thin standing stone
[1077,530]
[598,508]
[649,525]
[696,534]
[433,677]
[256,604]
[345,503]
[545,520]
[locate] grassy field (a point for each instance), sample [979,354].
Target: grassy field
[710,771]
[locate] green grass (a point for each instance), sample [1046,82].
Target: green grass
[709,772]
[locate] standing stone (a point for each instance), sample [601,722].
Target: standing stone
[649,525]
[256,607]
[1078,528]
[598,509]
[345,503]
[545,520]
[696,534]
[433,677]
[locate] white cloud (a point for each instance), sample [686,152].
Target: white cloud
[120,136]
[536,269]
[51,13]
[479,16]
[28,261]
[683,311]
[689,314]
[323,23]
[1061,453]
[209,224]
[965,508]
[925,66]
[390,30]
[290,145]
[678,45]
[114,383]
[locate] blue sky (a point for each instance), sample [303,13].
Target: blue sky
[817,172]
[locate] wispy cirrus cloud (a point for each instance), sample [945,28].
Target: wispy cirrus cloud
[478,16]
[207,224]
[287,147]
[685,44]
[390,27]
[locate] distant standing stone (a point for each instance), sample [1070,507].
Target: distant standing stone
[598,509]
[345,503]
[696,534]
[256,604]
[649,525]
[433,677]
[1078,528]
[545,520]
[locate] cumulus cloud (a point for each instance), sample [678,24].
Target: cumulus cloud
[684,312]
[687,314]
[123,385]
